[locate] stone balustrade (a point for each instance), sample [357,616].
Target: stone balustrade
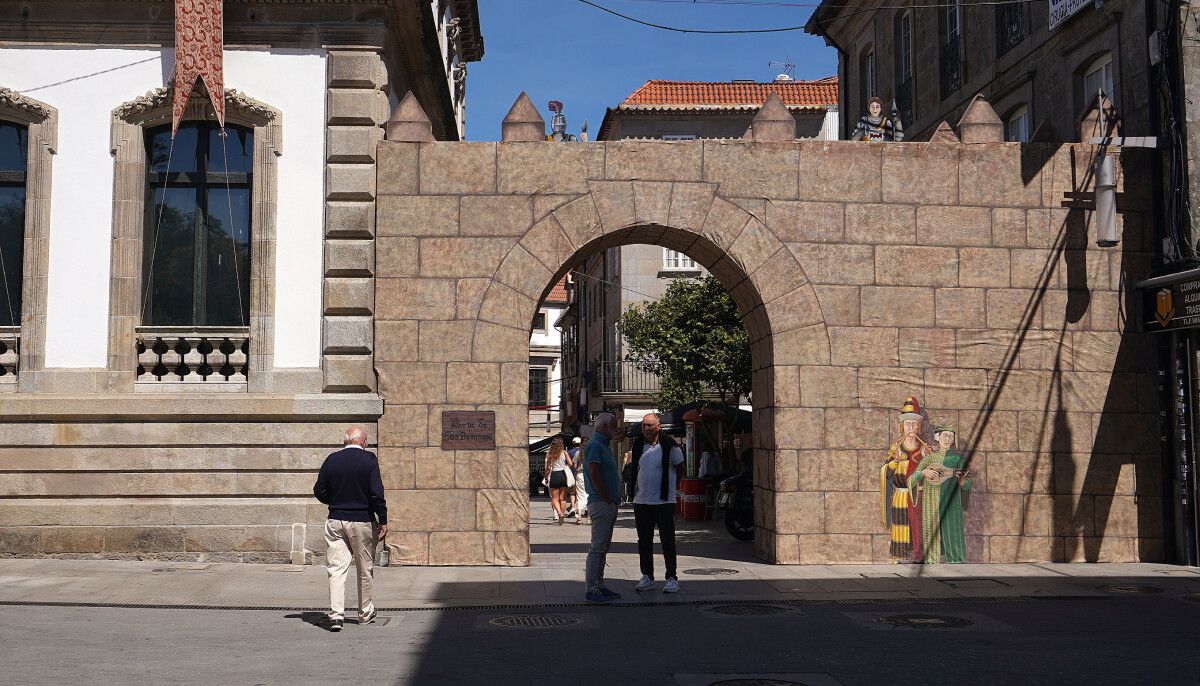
[10,353]
[215,356]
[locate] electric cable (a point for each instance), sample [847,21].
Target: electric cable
[781,29]
[88,76]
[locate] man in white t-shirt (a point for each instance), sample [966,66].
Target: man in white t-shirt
[657,471]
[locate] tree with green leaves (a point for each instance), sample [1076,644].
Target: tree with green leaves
[693,339]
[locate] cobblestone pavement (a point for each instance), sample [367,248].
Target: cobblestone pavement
[63,621]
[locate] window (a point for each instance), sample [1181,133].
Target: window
[1098,77]
[14,149]
[1010,26]
[539,322]
[1016,126]
[904,67]
[196,250]
[866,76]
[679,136]
[674,260]
[951,48]
[539,387]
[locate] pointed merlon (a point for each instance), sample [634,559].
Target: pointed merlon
[408,122]
[773,121]
[944,134]
[523,123]
[979,123]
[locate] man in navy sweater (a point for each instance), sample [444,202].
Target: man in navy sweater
[350,484]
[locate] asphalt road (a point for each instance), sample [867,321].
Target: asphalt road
[1137,639]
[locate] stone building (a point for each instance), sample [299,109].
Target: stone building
[687,110]
[187,326]
[1036,66]
[947,271]
[545,368]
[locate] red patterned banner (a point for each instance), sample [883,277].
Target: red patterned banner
[199,53]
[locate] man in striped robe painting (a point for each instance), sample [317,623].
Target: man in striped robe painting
[900,515]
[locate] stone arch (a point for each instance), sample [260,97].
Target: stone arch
[779,305]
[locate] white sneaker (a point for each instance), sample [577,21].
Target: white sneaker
[646,584]
[671,587]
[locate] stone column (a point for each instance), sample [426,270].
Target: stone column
[356,107]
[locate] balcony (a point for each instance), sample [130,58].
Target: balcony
[622,378]
[211,356]
[951,66]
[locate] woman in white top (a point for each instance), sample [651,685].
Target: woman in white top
[559,477]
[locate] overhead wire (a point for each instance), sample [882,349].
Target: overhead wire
[781,29]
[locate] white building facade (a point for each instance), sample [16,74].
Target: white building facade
[189,319]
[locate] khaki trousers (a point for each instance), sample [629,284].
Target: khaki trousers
[346,541]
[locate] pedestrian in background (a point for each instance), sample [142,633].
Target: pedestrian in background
[603,487]
[581,495]
[350,484]
[657,471]
[559,477]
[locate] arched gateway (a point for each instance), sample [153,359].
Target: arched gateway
[865,273]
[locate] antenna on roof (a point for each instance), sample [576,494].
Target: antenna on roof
[789,69]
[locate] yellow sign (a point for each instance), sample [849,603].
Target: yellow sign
[1164,309]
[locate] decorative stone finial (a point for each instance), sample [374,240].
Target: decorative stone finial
[408,122]
[979,123]
[773,121]
[523,123]
[944,134]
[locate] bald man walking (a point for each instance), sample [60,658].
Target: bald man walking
[350,484]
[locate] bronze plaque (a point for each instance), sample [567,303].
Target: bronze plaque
[468,430]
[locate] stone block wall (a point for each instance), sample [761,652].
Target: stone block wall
[865,273]
[167,478]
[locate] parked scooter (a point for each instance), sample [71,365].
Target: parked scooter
[739,516]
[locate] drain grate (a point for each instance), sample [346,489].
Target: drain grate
[748,610]
[710,571]
[1129,589]
[926,621]
[534,621]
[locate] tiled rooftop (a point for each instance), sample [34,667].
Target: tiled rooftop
[656,94]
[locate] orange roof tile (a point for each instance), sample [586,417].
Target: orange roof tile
[693,95]
[558,294]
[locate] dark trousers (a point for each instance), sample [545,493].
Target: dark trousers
[646,518]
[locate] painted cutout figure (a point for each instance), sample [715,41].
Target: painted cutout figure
[900,515]
[873,126]
[942,486]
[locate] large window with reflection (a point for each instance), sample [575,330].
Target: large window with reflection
[14,150]
[196,247]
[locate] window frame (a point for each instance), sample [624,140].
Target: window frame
[132,121]
[683,263]
[1019,112]
[545,385]
[20,180]
[544,328]
[203,180]
[905,94]
[1099,64]
[41,125]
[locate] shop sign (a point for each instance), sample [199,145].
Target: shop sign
[1174,306]
[468,430]
[1062,10]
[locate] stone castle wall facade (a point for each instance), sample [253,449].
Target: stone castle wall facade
[865,273]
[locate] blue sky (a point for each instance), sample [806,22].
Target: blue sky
[565,50]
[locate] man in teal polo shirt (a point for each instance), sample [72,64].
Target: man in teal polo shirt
[603,485]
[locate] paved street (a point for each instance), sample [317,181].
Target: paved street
[817,625]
